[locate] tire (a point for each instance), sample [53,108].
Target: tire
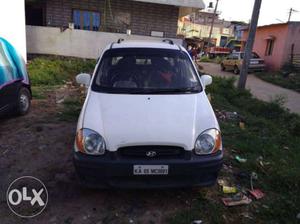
[23,102]
[236,70]
[223,67]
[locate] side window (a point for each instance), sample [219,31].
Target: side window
[86,20]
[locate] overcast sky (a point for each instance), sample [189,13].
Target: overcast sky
[272,11]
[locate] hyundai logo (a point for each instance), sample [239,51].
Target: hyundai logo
[151,154]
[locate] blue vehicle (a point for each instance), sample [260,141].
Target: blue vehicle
[15,91]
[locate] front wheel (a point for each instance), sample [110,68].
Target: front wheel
[236,70]
[23,102]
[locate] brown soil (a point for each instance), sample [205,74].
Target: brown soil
[40,145]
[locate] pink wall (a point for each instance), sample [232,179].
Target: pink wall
[293,38]
[280,32]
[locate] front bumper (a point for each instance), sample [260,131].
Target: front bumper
[110,171]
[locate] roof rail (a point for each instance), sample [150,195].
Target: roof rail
[180,48]
[120,40]
[169,41]
[112,44]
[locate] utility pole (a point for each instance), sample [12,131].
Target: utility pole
[290,13]
[249,45]
[212,23]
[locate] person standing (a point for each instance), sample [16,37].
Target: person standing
[194,54]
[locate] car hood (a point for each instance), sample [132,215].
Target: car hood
[128,120]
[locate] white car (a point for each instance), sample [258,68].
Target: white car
[147,121]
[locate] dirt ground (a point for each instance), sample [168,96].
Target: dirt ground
[41,145]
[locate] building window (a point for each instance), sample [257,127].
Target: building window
[270,46]
[86,20]
[76,19]
[96,21]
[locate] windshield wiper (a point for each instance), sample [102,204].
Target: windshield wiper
[176,90]
[194,89]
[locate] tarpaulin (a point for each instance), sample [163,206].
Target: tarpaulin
[12,65]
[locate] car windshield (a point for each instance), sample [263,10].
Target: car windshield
[137,70]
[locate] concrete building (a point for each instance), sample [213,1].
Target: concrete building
[238,29]
[197,25]
[277,44]
[83,28]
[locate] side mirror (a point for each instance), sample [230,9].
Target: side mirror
[206,80]
[84,79]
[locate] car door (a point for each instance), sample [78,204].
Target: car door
[227,62]
[235,60]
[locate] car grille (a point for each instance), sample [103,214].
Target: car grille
[152,152]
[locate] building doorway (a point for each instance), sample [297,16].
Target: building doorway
[35,13]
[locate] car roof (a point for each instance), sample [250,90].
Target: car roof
[168,44]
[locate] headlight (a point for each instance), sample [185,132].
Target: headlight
[90,142]
[208,142]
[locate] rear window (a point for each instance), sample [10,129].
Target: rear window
[254,55]
[137,70]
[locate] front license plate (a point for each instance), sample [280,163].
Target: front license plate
[253,62]
[150,169]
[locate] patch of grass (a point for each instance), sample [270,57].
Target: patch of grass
[51,70]
[217,59]
[40,92]
[291,82]
[271,133]
[71,109]
[205,59]
[270,129]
